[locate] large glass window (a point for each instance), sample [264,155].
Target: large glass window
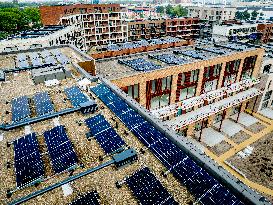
[153,85]
[187,93]
[267,95]
[217,70]
[169,82]
[160,101]
[210,85]
[230,79]
[194,75]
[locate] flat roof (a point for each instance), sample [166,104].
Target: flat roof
[88,152]
[163,58]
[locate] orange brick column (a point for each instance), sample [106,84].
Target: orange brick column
[173,88]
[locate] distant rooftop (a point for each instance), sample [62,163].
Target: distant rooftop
[147,62]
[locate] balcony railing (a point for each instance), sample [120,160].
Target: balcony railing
[211,109]
[205,98]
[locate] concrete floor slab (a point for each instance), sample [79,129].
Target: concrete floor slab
[267,112]
[229,127]
[210,136]
[245,119]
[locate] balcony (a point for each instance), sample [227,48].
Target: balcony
[206,111]
[206,98]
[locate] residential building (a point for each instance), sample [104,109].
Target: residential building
[212,13]
[235,32]
[51,15]
[99,28]
[266,29]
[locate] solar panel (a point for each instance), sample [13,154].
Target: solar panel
[148,189]
[43,104]
[62,154]
[75,95]
[202,185]
[35,60]
[90,198]
[28,163]
[63,59]
[106,136]
[22,61]
[48,58]
[169,59]
[140,64]
[20,108]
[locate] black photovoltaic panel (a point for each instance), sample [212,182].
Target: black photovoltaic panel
[28,163]
[22,61]
[90,198]
[43,104]
[62,154]
[203,186]
[170,59]
[148,189]
[75,95]
[60,56]
[106,136]
[140,64]
[20,108]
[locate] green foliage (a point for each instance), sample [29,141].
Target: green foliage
[254,15]
[14,19]
[177,11]
[160,9]
[242,15]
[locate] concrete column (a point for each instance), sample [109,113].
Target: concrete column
[142,94]
[173,88]
[243,107]
[240,70]
[200,81]
[190,130]
[228,112]
[258,64]
[210,120]
[221,77]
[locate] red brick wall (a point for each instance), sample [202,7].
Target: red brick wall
[50,15]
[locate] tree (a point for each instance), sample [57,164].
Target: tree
[169,10]
[254,15]
[179,11]
[160,9]
[239,15]
[13,20]
[242,15]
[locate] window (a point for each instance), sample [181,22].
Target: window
[194,75]
[153,85]
[160,101]
[187,93]
[133,91]
[267,95]
[217,70]
[207,72]
[164,83]
[169,82]
[264,105]
[210,85]
[230,79]
[183,79]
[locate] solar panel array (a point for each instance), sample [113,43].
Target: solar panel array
[20,108]
[148,189]
[22,61]
[75,95]
[43,103]
[35,60]
[169,59]
[106,136]
[203,186]
[140,64]
[192,53]
[60,56]
[48,58]
[28,163]
[60,149]
[237,47]
[90,198]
